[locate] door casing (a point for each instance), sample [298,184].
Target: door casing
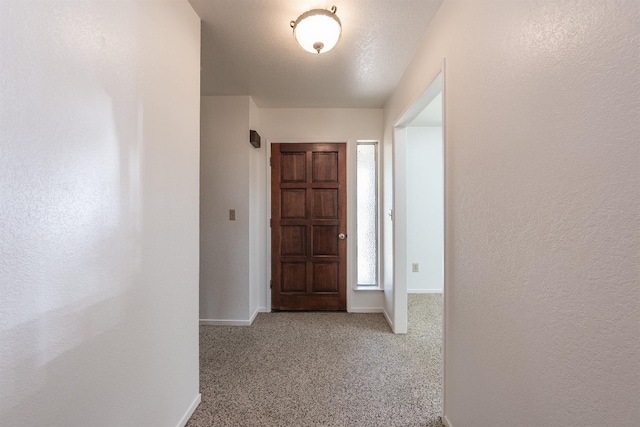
[351,213]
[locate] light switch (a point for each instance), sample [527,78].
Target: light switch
[415,267]
[232,214]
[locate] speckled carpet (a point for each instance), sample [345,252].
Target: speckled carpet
[323,369]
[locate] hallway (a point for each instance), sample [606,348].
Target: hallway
[320,368]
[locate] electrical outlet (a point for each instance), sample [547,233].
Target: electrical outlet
[415,267]
[232,214]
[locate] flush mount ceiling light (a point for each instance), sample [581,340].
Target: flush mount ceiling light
[318,30]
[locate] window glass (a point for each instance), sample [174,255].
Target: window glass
[367,207]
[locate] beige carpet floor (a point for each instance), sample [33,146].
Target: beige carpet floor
[323,369]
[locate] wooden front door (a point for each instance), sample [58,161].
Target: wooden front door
[308,226]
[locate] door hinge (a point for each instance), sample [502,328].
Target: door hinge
[270,164]
[270,284]
[270,222]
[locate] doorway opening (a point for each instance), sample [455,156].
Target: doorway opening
[419,157]
[419,162]
[425,201]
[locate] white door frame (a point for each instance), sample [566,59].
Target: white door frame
[436,85]
[400,231]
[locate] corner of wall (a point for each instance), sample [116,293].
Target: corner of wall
[388,318]
[190,410]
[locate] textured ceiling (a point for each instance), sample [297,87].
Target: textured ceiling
[248,49]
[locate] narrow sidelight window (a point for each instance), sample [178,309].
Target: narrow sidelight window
[367,207]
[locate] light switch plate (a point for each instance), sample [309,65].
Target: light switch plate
[415,267]
[232,214]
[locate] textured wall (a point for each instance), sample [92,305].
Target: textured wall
[225,184]
[543,123]
[258,215]
[98,212]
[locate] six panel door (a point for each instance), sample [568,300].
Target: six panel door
[308,226]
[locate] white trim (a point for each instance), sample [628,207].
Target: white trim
[379,210]
[267,220]
[224,322]
[419,103]
[368,289]
[232,322]
[446,422]
[386,316]
[366,310]
[185,418]
[255,313]
[424,291]
[352,217]
[400,230]
[445,259]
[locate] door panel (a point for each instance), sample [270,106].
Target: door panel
[325,167]
[308,190]
[294,276]
[325,204]
[294,240]
[325,240]
[325,277]
[293,204]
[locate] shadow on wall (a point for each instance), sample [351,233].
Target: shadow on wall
[62,357]
[72,244]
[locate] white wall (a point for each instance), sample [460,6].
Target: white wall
[542,126]
[99,130]
[331,125]
[396,299]
[258,213]
[387,232]
[425,209]
[230,271]
[234,269]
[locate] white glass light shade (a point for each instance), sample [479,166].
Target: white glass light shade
[318,30]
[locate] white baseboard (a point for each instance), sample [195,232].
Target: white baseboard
[190,411]
[255,314]
[446,421]
[366,310]
[424,291]
[224,322]
[231,322]
[386,316]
